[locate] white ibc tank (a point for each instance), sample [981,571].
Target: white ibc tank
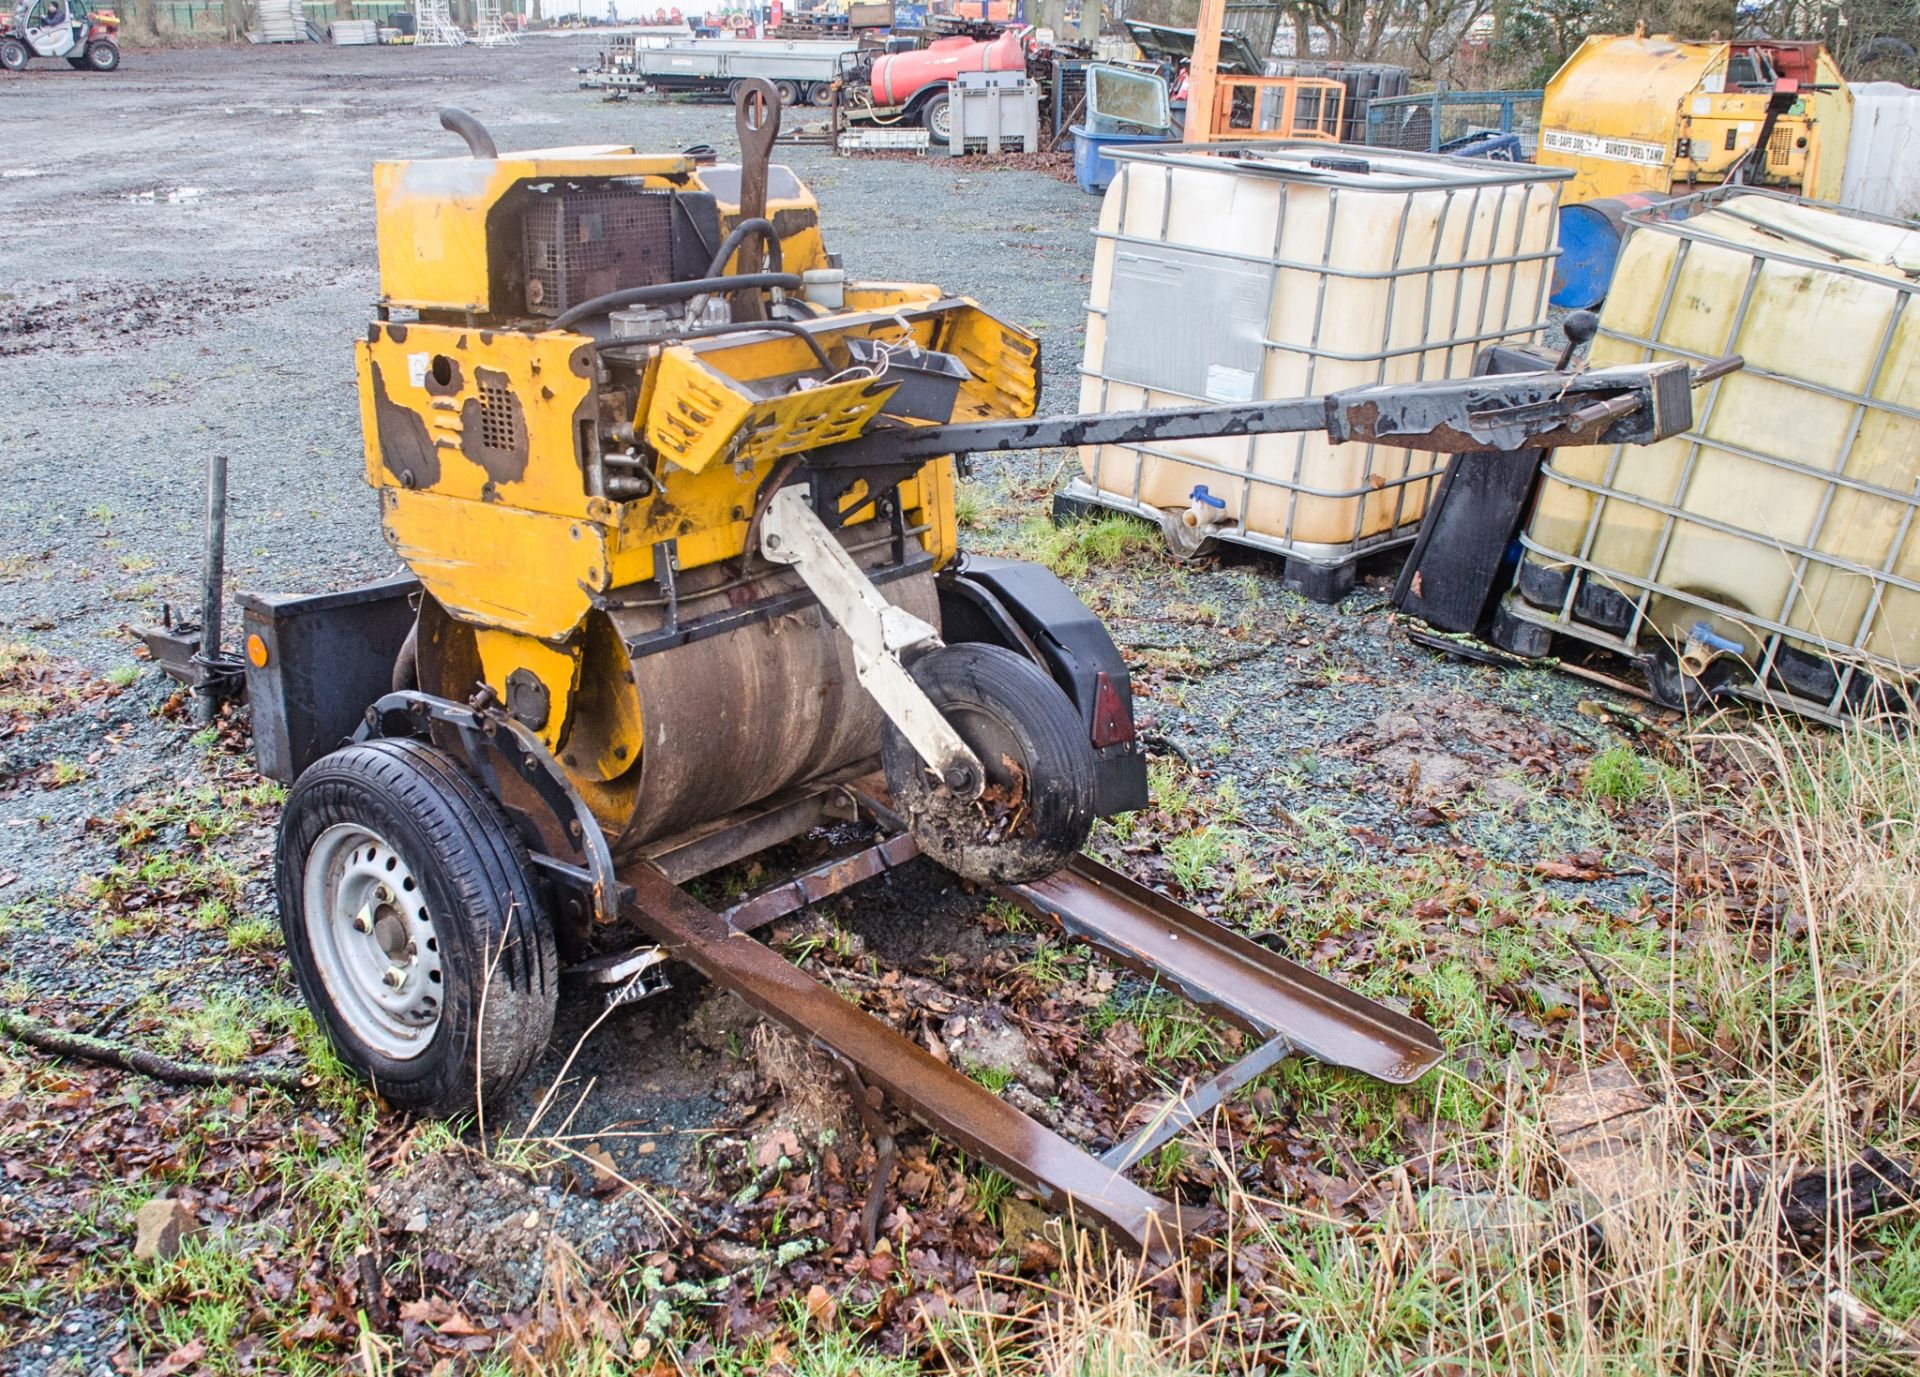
[1883,150]
[1288,269]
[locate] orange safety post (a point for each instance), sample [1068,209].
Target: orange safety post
[1203,70]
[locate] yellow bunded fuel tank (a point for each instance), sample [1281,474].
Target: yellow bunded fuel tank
[1784,520]
[1633,113]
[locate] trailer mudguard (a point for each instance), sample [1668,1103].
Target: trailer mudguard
[316,663]
[1027,609]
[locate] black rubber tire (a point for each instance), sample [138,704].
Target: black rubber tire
[1006,708]
[13,55]
[820,95]
[936,111]
[103,55]
[788,92]
[489,918]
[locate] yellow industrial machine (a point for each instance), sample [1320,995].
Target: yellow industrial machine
[675,498]
[1637,113]
[643,464]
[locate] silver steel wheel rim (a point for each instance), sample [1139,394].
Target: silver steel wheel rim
[373,941]
[942,122]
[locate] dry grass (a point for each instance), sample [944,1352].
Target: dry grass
[1767,1014]
[1776,1029]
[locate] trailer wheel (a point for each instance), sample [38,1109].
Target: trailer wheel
[13,54]
[936,117]
[415,933]
[1039,803]
[789,93]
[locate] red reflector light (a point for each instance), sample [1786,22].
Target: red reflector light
[1112,723]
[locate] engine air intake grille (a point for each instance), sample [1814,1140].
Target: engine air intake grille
[583,244]
[499,422]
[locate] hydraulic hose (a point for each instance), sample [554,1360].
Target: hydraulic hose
[737,236]
[479,141]
[664,292]
[742,327]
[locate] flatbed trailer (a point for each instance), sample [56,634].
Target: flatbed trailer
[802,70]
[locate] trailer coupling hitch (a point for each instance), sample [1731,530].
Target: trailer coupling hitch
[1634,404]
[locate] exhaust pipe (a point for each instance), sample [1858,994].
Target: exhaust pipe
[479,142]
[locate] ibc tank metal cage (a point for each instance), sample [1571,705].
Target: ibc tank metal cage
[1498,310]
[1826,677]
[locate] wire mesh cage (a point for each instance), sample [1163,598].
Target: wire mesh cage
[1233,271]
[1443,121]
[582,244]
[1365,82]
[1770,552]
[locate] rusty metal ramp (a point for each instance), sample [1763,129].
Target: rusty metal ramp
[1293,1009]
[1258,990]
[1286,1007]
[982,1123]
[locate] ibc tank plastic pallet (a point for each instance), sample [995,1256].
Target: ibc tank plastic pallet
[1310,578]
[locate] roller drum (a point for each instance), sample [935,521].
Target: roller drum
[738,717]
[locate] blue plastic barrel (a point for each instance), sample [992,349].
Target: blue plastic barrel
[1489,144]
[1590,237]
[1091,164]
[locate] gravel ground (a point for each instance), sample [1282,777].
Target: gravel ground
[224,267]
[195,287]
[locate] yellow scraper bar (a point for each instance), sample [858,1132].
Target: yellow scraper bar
[696,415]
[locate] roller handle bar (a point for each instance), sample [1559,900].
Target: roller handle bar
[1629,403]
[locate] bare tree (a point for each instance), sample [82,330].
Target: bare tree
[1423,34]
[1871,39]
[1681,18]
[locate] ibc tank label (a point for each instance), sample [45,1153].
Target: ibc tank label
[1612,150]
[1226,384]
